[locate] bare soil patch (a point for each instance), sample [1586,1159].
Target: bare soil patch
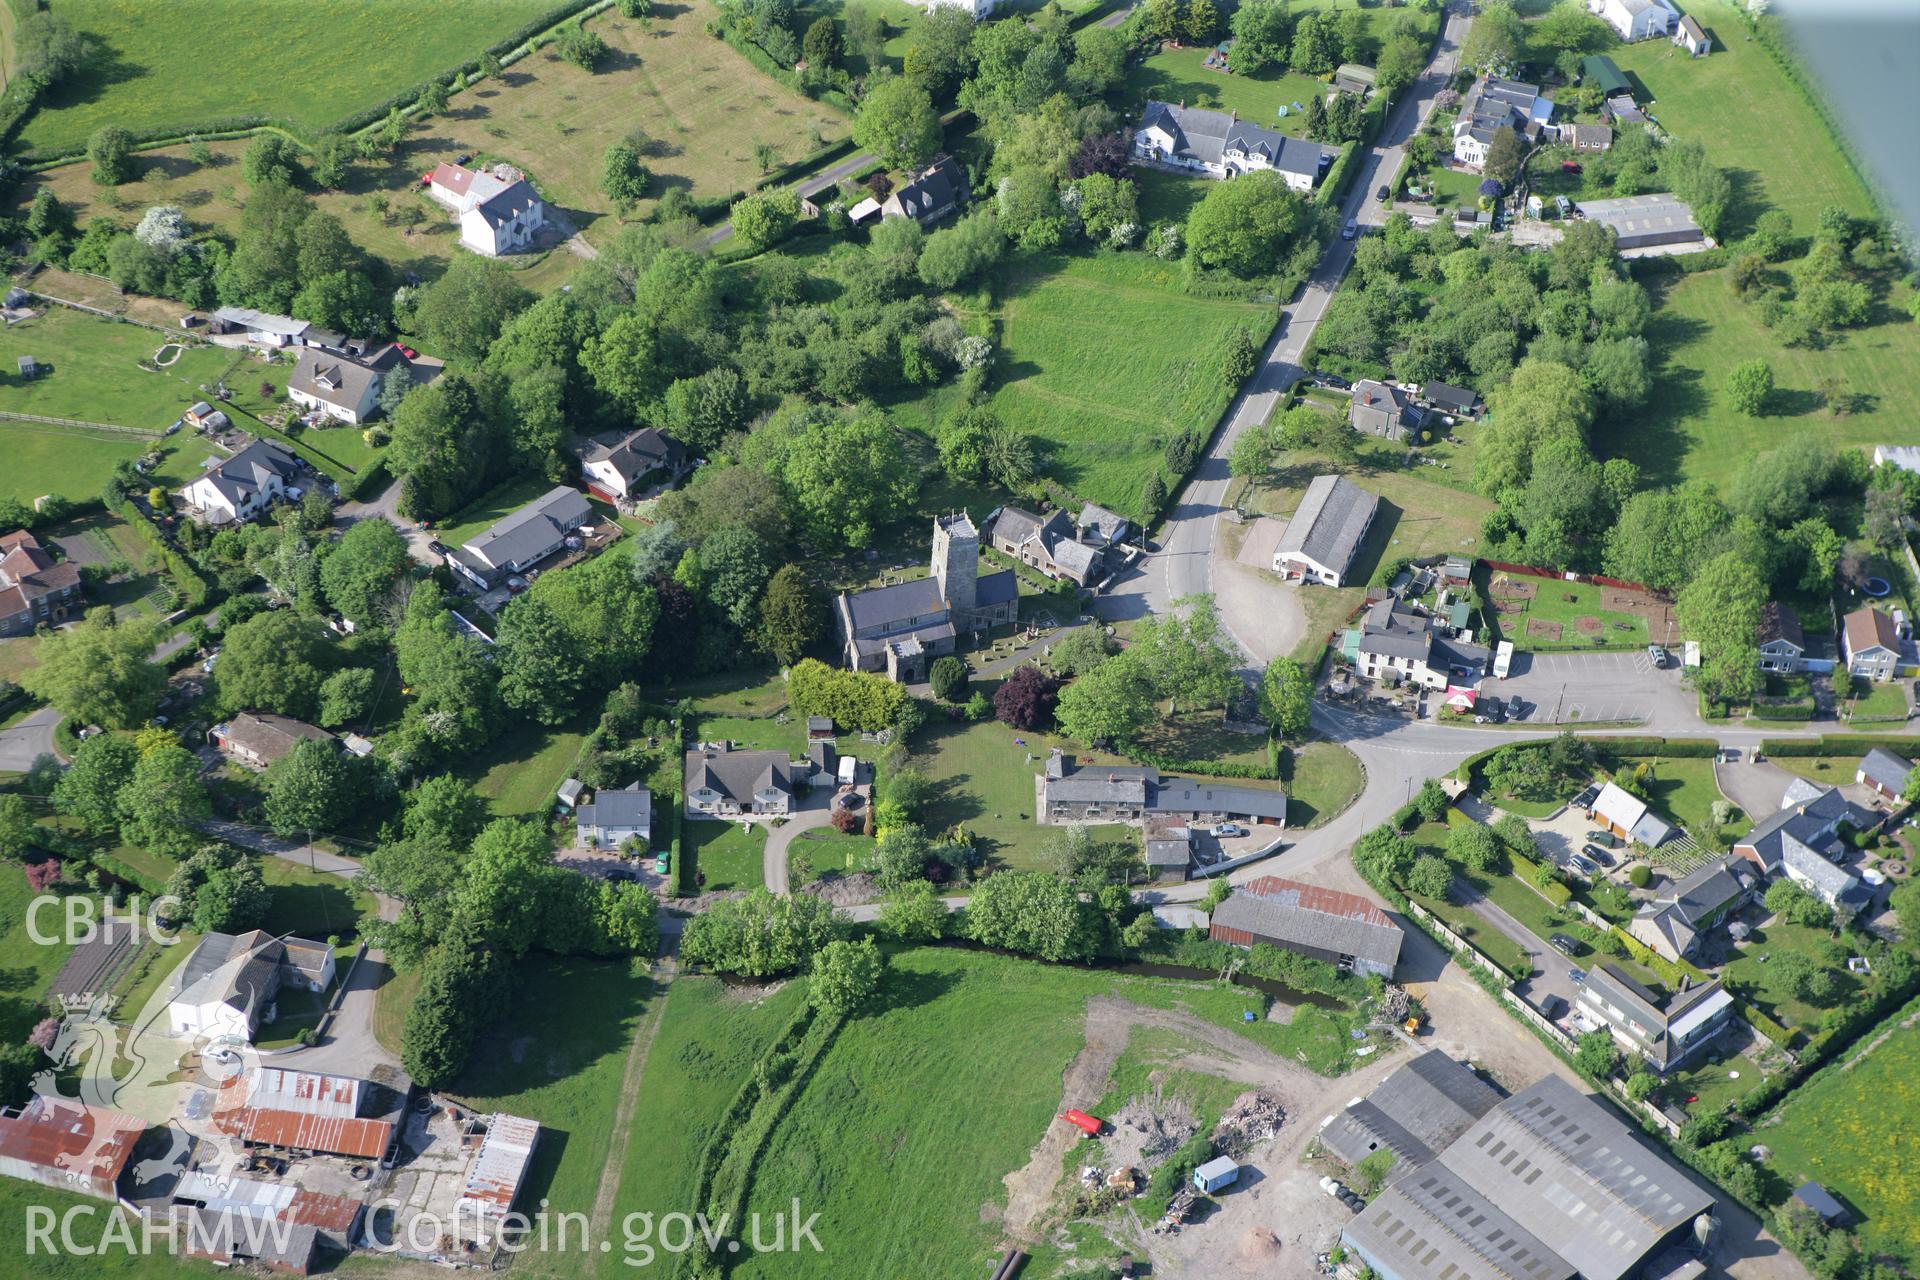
[1543,629]
[1588,625]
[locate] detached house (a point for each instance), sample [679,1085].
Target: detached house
[723,783]
[1667,1031]
[615,816]
[1680,913]
[337,386]
[1325,534]
[1634,19]
[516,542]
[34,588]
[1220,144]
[498,209]
[616,469]
[930,195]
[243,486]
[1396,643]
[1802,841]
[257,739]
[1385,410]
[1050,543]
[1869,644]
[228,984]
[1493,104]
[1783,645]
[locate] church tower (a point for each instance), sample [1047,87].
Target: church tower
[956,563]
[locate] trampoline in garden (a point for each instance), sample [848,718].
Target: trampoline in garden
[1878,588]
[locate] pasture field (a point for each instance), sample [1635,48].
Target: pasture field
[77,463]
[1074,376]
[1853,1129]
[111,1262]
[150,70]
[1753,121]
[1700,330]
[1321,779]
[93,371]
[891,1127]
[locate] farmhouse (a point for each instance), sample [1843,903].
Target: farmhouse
[241,487]
[1673,921]
[722,782]
[515,543]
[1136,794]
[258,738]
[1663,1032]
[1647,225]
[1869,644]
[1222,145]
[619,467]
[1885,772]
[1056,544]
[306,1113]
[257,328]
[498,209]
[34,588]
[66,1145]
[902,628]
[1634,19]
[929,195]
[1444,397]
[1493,104]
[1783,645]
[1691,36]
[1417,1111]
[1326,531]
[1545,1185]
[1344,929]
[228,984]
[1626,815]
[615,816]
[1396,642]
[1385,410]
[335,385]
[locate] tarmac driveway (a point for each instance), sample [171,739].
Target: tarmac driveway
[28,740]
[1587,687]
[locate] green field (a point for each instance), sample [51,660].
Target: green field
[1073,374]
[77,463]
[1700,330]
[123,1260]
[1853,1128]
[1177,75]
[95,374]
[1321,779]
[1752,120]
[151,72]
[28,966]
[892,1127]
[519,771]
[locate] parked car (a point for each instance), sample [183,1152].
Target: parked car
[1554,1008]
[436,546]
[1584,867]
[1604,839]
[407,351]
[1514,705]
[1563,944]
[1351,230]
[1384,193]
[663,863]
[1578,975]
[1657,655]
[1598,854]
[1229,829]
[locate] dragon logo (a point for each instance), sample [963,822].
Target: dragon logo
[171,1065]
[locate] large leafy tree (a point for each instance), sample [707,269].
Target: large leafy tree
[611,615]
[220,888]
[1242,226]
[1721,609]
[89,791]
[1187,656]
[446,438]
[760,935]
[98,671]
[843,474]
[164,803]
[314,787]
[1109,703]
[1286,697]
[793,614]
[542,668]
[1026,699]
[1032,912]
[274,661]
[1543,401]
[459,315]
[897,123]
[362,568]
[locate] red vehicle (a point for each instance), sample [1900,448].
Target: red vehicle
[1090,1125]
[1569,166]
[408,352]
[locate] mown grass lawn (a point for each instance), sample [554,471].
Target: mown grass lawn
[1752,120]
[557,1053]
[76,463]
[894,1125]
[1321,779]
[519,771]
[1098,404]
[502,500]
[1877,700]
[1853,1129]
[1417,517]
[710,1036]
[1203,735]
[93,371]
[728,857]
[1179,75]
[310,73]
[29,966]
[1699,331]
[1754,973]
[1684,790]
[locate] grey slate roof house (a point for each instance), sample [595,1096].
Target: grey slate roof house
[1490,105]
[1098,527]
[721,782]
[1343,929]
[1783,645]
[243,486]
[613,816]
[1870,644]
[1398,643]
[901,628]
[1222,145]
[531,534]
[615,467]
[1385,410]
[1666,1032]
[931,195]
[1326,531]
[1169,851]
[1546,1185]
[1884,771]
[1801,840]
[335,385]
[1460,402]
[1674,919]
[1416,1112]
[1051,543]
[1074,792]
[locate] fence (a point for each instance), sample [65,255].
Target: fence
[77,422]
[1590,579]
[1454,942]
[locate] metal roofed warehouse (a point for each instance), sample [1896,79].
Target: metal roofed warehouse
[1643,222]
